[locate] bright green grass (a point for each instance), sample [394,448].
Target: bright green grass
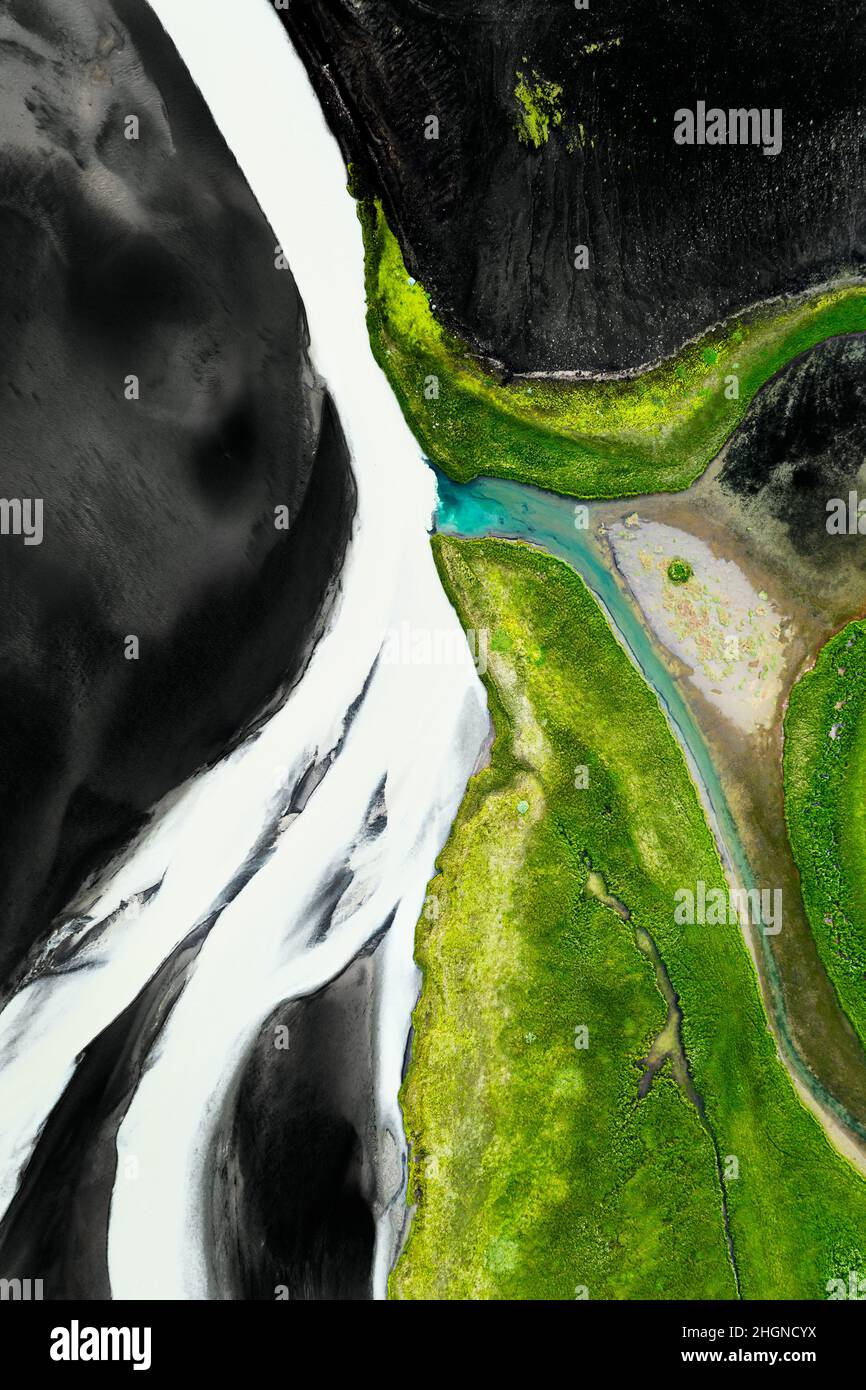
[825,809]
[654,432]
[535,1167]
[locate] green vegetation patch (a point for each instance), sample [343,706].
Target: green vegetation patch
[825,809]
[537,1171]
[539,107]
[649,433]
[679,571]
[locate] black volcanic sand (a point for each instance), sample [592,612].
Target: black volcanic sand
[57,1222]
[295,1181]
[679,236]
[294,1178]
[803,444]
[763,504]
[147,257]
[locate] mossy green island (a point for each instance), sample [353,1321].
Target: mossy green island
[679,571]
[541,1166]
[825,809]
[588,438]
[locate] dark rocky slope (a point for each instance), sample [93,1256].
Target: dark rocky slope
[803,444]
[679,236]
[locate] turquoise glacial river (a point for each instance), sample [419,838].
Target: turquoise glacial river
[517,511]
